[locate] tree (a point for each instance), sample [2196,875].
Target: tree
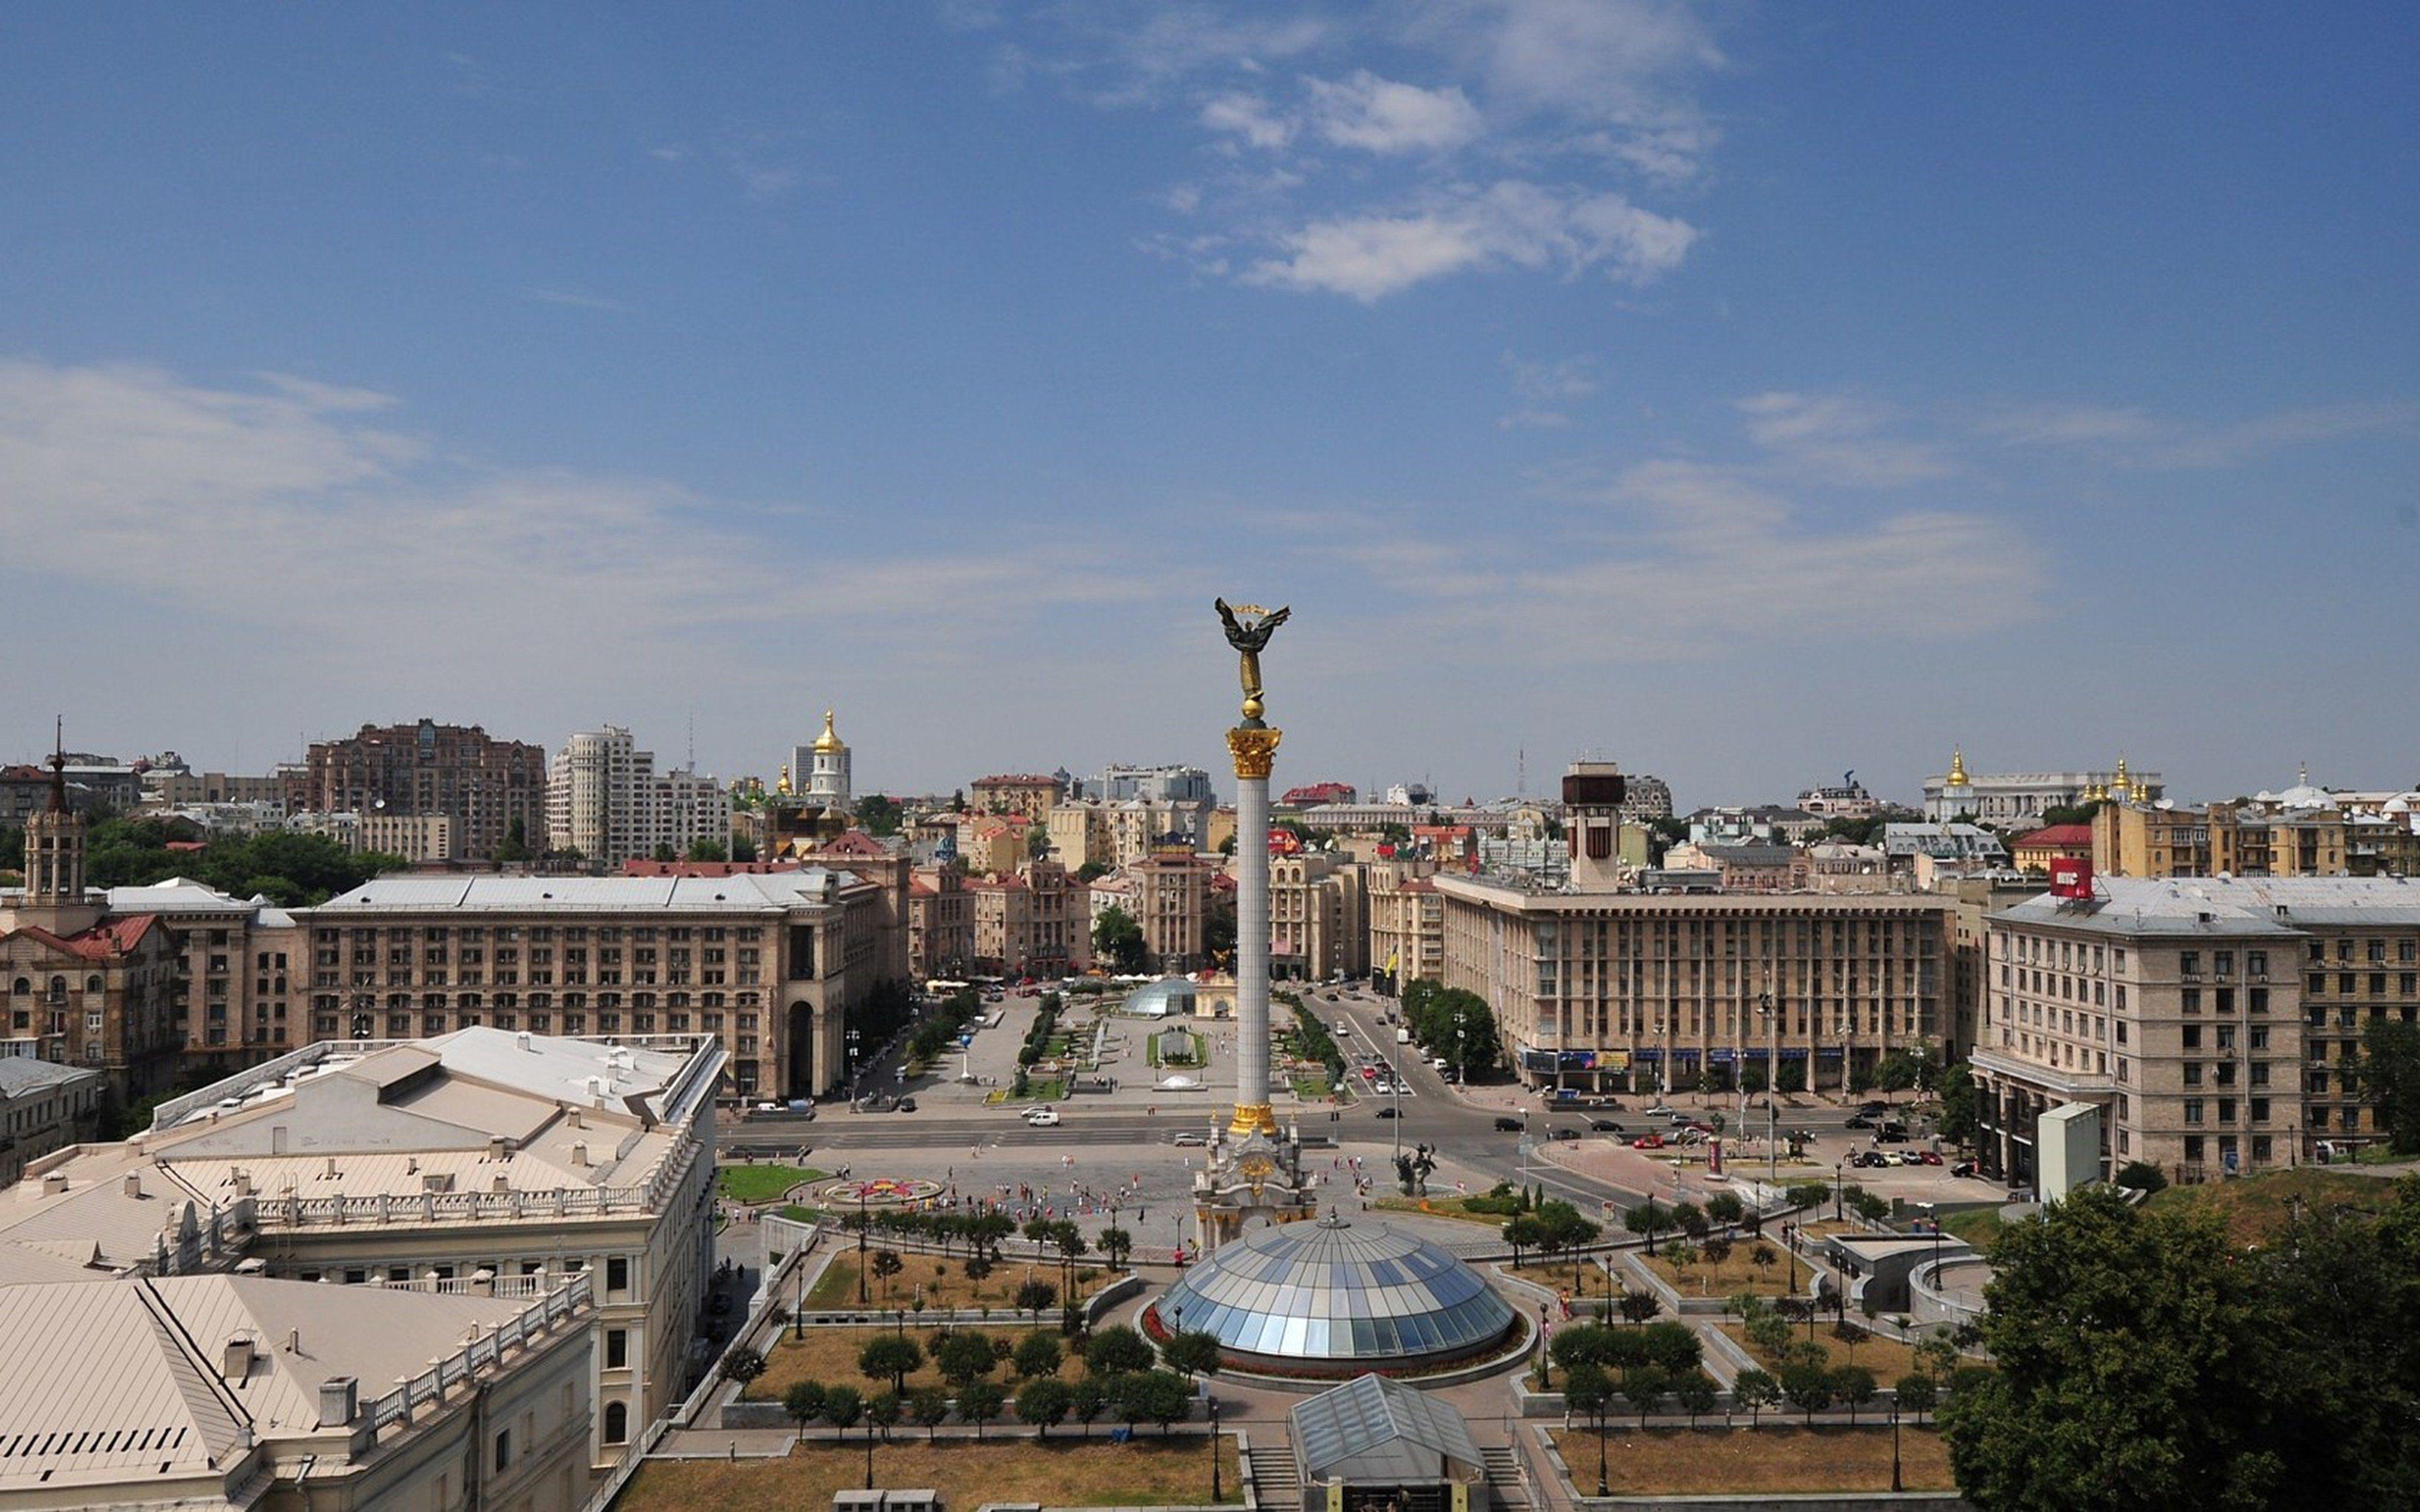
[1043,1402]
[979,1402]
[1869,1207]
[1726,1208]
[1639,1306]
[702,849]
[2145,1362]
[886,1264]
[2142,1176]
[1857,1387]
[743,849]
[1159,1396]
[742,1366]
[1643,1387]
[930,1406]
[1959,1105]
[965,1356]
[1036,1296]
[803,1403]
[1116,1244]
[1117,1350]
[1695,1394]
[1036,1356]
[1087,1400]
[1118,940]
[842,1408]
[1646,1220]
[1808,1387]
[2390,1080]
[877,815]
[1915,1392]
[1752,1078]
[1672,1348]
[1522,1231]
[890,1357]
[882,1412]
[1194,1352]
[1755,1391]
[1588,1391]
[663,852]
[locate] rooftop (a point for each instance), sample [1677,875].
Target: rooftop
[2227,906]
[747,892]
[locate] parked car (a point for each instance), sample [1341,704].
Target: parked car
[1382,1088]
[1387,1110]
[1927,1157]
[1874,1109]
[1566,1132]
[1604,1126]
[1505,1125]
[906,1104]
[1965,1167]
[1890,1136]
[1648,1142]
[1042,1117]
[1870,1159]
[1659,1111]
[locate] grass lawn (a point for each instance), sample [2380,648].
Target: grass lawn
[1201,1050]
[1038,1089]
[943,1280]
[2256,1208]
[829,1355]
[1062,1471]
[1774,1460]
[1737,1272]
[756,1184]
[1313,1087]
[1439,1207]
[1979,1228]
[1888,1358]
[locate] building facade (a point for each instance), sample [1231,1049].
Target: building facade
[2214,1022]
[493,789]
[1611,991]
[2019,797]
[1172,900]
[45,1107]
[1407,923]
[605,799]
[1032,794]
[1318,918]
[768,964]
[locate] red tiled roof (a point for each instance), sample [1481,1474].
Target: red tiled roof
[2077,836]
[855,842]
[23,774]
[108,938]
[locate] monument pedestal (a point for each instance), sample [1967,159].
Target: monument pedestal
[1246,1178]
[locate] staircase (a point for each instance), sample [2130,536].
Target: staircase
[1274,1482]
[1504,1474]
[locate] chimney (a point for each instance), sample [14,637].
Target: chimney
[235,1361]
[55,1184]
[331,1167]
[412,1166]
[339,1401]
[294,1341]
[242,1183]
[501,1187]
[522,1038]
[579,1155]
[574,1118]
[499,1147]
[134,1184]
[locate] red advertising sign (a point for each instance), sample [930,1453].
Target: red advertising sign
[2070,877]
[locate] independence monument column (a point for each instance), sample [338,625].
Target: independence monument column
[1254,746]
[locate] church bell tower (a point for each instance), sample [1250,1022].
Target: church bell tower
[55,859]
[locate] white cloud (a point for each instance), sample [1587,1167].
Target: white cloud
[1510,223]
[2130,438]
[1381,115]
[1543,387]
[1839,439]
[1248,118]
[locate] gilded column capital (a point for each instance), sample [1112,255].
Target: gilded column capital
[1254,751]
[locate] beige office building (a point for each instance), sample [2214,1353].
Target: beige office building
[1319,909]
[2215,1020]
[479,1161]
[766,963]
[1407,923]
[1606,991]
[235,1392]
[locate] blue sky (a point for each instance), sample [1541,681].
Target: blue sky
[1744,393]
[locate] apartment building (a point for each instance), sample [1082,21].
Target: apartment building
[1027,921]
[241,1391]
[2018,797]
[940,924]
[493,789]
[240,979]
[605,799]
[1030,793]
[2309,839]
[1407,923]
[44,1106]
[1171,899]
[1319,913]
[767,963]
[481,1161]
[1611,991]
[2213,1020]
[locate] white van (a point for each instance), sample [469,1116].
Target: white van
[1403,1036]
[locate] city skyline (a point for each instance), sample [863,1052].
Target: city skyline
[1741,394]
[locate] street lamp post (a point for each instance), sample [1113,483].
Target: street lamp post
[1840,1185]
[852,1069]
[1895,1478]
[1215,1491]
[860,1247]
[1602,1490]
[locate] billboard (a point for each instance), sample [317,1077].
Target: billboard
[2070,877]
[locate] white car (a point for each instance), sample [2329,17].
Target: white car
[1042,1117]
[1382,1088]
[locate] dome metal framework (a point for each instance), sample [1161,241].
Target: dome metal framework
[1333,1297]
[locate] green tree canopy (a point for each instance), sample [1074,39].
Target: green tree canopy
[1118,940]
[2390,1080]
